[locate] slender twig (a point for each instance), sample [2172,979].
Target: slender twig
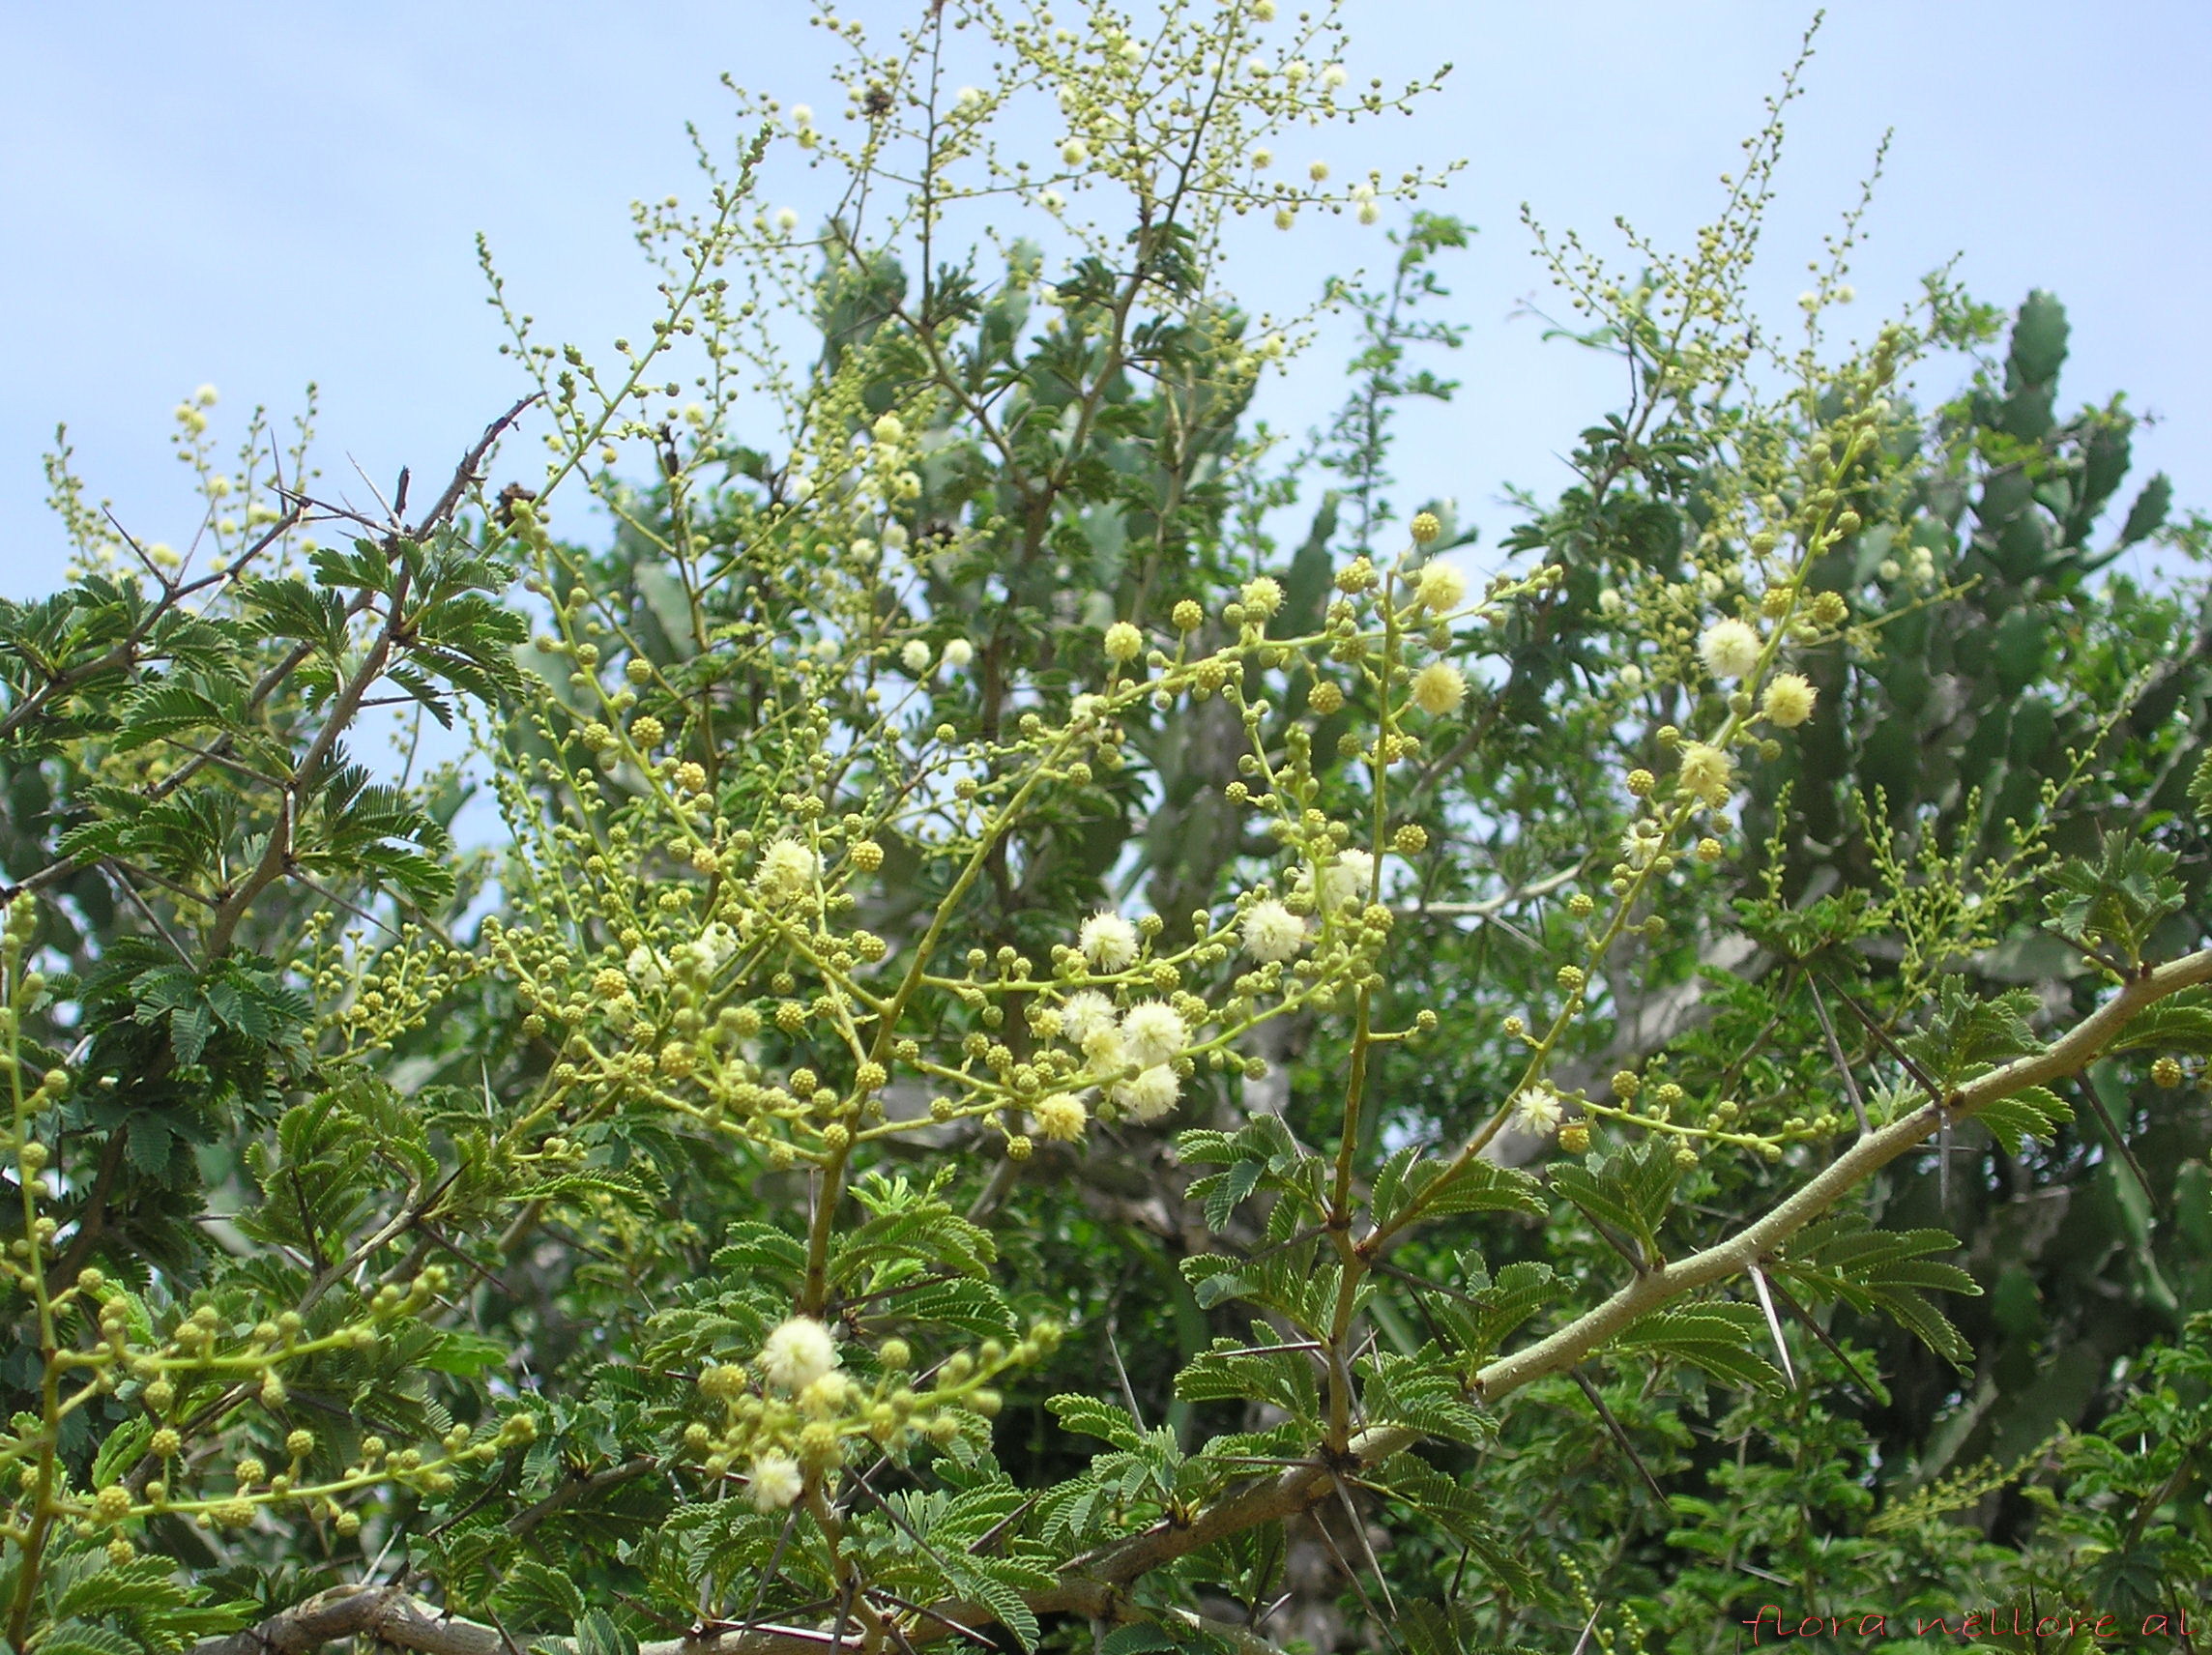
[961,1627]
[1358,1585]
[577,1487]
[2118,972]
[990,1536]
[1359,1533]
[1308,1233]
[1491,907]
[2112,1128]
[769,1574]
[1835,1054]
[1884,1039]
[1620,1438]
[116,878]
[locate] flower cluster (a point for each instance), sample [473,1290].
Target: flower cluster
[791,1416]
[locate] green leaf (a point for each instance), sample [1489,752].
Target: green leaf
[909,1229]
[2148,514]
[83,1637]
[1477,1186]
[2182,1023]
[1225,1191]
[1139,1637]
[975,1308]
[1424,1393]
[2032,1112]
[292,608]
[1719,1339]
[464,1354]
[1629,1191]
[1843,1256]
[753,1248]
[1231,1371]
[2118,899]
[1092,1417]
[1463,1508]
[172,707]
[597,1633]
[1967,1036]
[535,1596]
[1499,1307]
[123,1446]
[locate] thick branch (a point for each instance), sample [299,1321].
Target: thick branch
[389,1616]
[2070,1053]
[385,1614]
[465,473]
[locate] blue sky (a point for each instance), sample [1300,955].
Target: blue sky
[260,195]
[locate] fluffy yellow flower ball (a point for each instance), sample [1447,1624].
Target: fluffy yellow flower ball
[1439,688]
[1062,1118]
[1707,771]
[1440,588]
[1789,700]
[1730,647]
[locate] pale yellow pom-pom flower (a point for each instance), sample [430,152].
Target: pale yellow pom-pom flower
[1148,1094]
[1262,595]
[1348,880]
[1108,942]
[1730,649]
[1062,1118]
[788,870]
[1789,700]
[799,1351]
[1271,932]
[1707,771]
[1085,1014]
[1536,1109]
[1154,1032]
[1439,688]
[775,1482]
[1440,588]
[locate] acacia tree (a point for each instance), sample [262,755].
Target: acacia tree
[989,958]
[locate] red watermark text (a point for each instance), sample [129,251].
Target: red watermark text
[1773,1623]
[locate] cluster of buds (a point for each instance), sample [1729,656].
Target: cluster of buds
[789,1418]
[208,1358]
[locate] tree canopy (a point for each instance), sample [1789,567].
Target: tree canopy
[1035,1062]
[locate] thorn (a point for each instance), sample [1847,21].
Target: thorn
[1129,1391]
[1583,1643]
[1773,1325]
[1827,1342]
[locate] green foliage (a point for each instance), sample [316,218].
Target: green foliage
[1028,1055]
